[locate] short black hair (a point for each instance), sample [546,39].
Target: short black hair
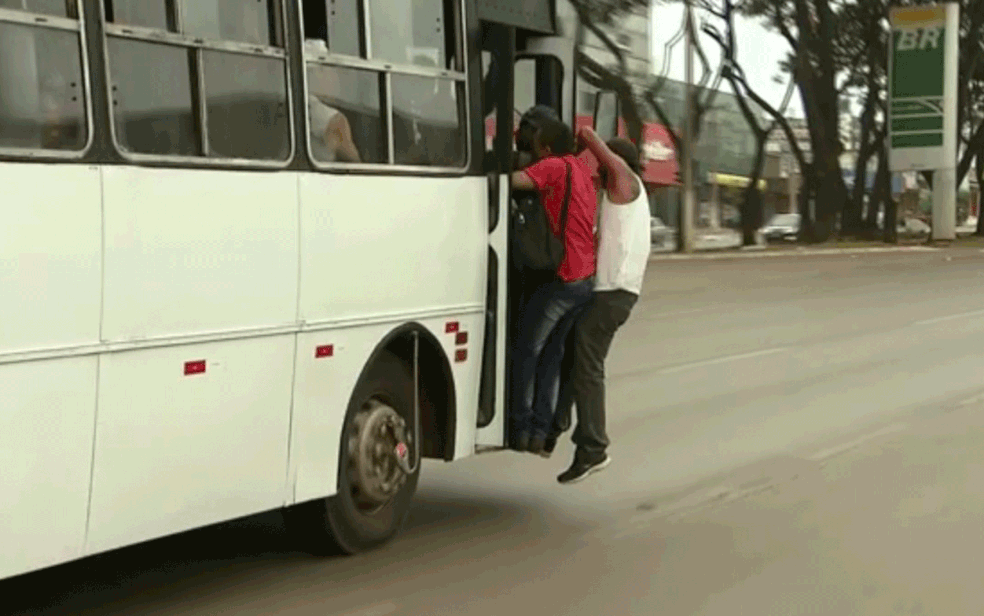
[538,113]
[530,122]
[628,151]
[557,136]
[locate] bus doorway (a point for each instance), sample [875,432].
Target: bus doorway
[513,83]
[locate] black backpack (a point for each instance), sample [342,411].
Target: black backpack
[534,244]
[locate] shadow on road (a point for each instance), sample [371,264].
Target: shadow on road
[215,564]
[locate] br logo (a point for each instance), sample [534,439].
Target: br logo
[919,39]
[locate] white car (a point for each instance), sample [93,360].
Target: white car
[782,227]
[660,235]
[913,226]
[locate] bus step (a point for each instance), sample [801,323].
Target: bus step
[489,448]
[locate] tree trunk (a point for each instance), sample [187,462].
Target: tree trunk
[883,195]
[854,221]
[871,218]
[979,170]
[806,195]
[751,202]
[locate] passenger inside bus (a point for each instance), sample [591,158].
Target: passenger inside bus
[331,134]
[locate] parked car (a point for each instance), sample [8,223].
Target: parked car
[660,235]
[913,227]
[782,227]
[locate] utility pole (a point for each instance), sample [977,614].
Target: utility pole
[687,213]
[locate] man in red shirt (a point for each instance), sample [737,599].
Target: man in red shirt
[548,316]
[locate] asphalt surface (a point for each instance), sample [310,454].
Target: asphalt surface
[771,418]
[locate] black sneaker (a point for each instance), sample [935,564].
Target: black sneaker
[580,469]
[537,444]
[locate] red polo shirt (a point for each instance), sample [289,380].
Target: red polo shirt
[550,177]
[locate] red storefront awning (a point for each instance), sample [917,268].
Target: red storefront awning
[659,159]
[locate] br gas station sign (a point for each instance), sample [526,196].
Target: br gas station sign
[923,62]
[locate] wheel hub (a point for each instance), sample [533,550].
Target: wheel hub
[378,455]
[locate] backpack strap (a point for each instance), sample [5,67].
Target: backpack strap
[566,206]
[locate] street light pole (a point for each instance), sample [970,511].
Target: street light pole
[687,213]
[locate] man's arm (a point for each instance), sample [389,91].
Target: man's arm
[622,187]
[339,135]
[521,181]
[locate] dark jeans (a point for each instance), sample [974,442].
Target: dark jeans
[584,370]
[544,326]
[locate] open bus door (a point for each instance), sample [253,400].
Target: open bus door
[514,81]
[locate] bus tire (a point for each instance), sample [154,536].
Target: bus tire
[354,519]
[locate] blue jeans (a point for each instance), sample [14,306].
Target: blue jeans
[545,322]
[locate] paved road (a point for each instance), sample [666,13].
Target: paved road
[791,435]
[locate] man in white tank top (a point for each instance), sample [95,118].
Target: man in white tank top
[623,253]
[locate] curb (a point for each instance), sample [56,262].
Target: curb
[760,254]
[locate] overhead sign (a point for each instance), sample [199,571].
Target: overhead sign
[657,151]
[923,87]
[733,181]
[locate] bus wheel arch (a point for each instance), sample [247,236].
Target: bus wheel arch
[438,408]
[360,516]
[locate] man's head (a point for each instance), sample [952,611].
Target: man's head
[530,122]
[627,151]
[553,138]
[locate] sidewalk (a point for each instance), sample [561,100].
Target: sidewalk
[891,523]
[791,251]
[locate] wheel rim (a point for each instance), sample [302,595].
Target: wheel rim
[377,445]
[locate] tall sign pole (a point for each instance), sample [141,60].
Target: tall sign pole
[687,211]
[923,61]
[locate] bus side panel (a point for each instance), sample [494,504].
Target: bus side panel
[325,381]
[50,253]
[379,247]
[467,370]
[196,251]
[47,412]
[188,436]
[324,384]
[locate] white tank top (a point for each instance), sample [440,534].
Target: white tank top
[321,115]
[623,243]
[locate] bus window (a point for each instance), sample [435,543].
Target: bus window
[144,13]
[606,115]
[59,8]
[246,91]
[246,21]
[42,95]
[428,121]
[355,95]
[154,111]
[218,89]
[524,84]
[417,32]
[345,27]
[408,54]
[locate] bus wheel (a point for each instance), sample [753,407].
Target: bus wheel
[375,480]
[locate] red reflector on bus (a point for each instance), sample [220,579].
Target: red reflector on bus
[194,367]
[461,338]
[451,327]
[325,350]
[461,355]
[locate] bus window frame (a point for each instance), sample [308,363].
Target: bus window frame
[63,24]
[200,45]
[387,69]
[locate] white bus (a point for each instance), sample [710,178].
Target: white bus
[199,319]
